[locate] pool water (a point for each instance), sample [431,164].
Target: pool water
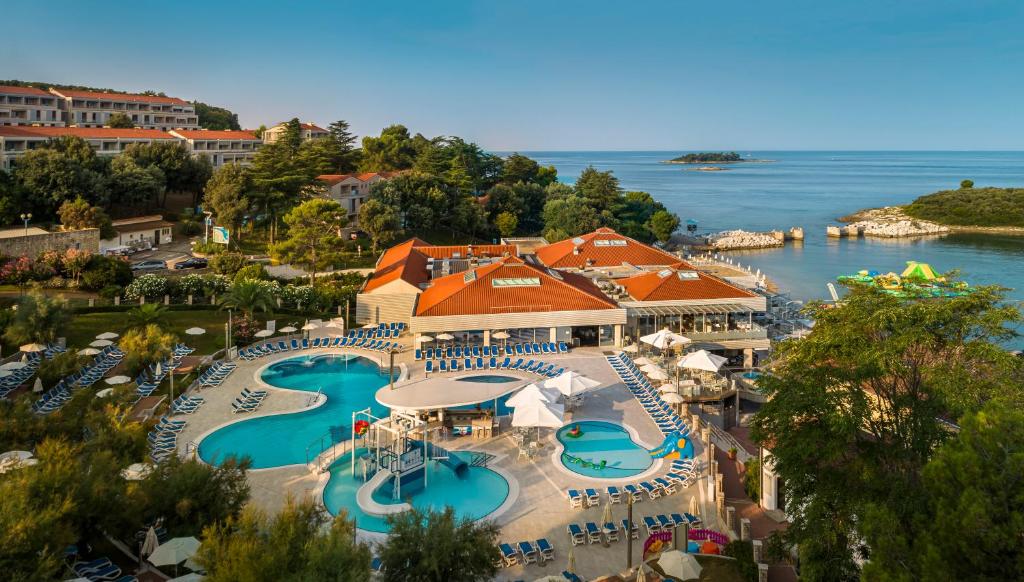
[348,382]
[752,375]
[476,494]
[488,379]
[603,441]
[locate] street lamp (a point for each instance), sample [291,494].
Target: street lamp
[26,216]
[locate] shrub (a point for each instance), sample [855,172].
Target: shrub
[209,248]
[149,286]
[227,263]
[752,478]
[144,346]
[216,284]
[191,284]
[295,295]
[743,552]
[253,271]
[102,272]
[61,365]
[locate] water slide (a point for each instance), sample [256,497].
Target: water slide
[453,462]
[364,497]
[672,447]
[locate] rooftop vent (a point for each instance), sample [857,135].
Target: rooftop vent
[688,275]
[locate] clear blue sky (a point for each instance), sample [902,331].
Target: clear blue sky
[675,75]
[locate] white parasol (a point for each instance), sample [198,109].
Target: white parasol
[310,326]
[500,335]
[631,348]
[445,337]
[13,366]
[264,333]
[101,343]
[195,331]
[137,472]
[663,339]
[679,565]
[571,383]
[104,393]
[701,360]
[288,329]
[672,398]
[88,352]
[540,414]
[530,394]
[107,335]
[424,339]
[33,347]
[38,386]
[115,380]
[174,552]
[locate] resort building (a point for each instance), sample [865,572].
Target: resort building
[16,140]
[309,131]
[28,106]
[603,249]
[140,232]
[221,146]
[93,109]
[351,190]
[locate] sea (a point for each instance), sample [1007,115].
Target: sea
[811,189]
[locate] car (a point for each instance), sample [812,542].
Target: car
[191,263]
[149,265]
[121,251]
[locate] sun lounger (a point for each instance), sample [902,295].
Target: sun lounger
[593,533]
[630,529]
[505,363]
[667,486]
[443,365]
[614,495]
[593,497]
[508,555]
[563,348]
[576,534]
[665,522]
[651,524]
[611,533]
[295,344]
[652,491]
[492,364]
[546,551]
[575,499]
[430,366]
[634,492]
[528,552]
[467,363]
[454,365]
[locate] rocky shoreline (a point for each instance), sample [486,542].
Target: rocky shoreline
[894,222]
[741,239]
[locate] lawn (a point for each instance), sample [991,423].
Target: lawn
[84,328]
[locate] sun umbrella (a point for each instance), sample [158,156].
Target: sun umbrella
[641,576]
[571,566]
[500,335]
[606,515]
[672,398]
[424,339]
[642,361]
[14,459]
[13,366]
[101,343]
[5,373]
[335,322]
[38,386]
[152,541]
[264,333]
[107,335]
[370,326]
[310,326]
[701,360]
[159,370]
[288,329]
[656,374]
[190,577]
[195,331]
[540,414]
[530,394]
[445,337]
[667,387]
[679,565]
[115,380]
[631,348]
[88,352]
[174,552]
[137,472]
[571,383]
[104,393]
[192,564]
[33,347]
[663,339]
[694,505]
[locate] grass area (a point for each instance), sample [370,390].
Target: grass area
[444,236]
[84,328]
[971,207]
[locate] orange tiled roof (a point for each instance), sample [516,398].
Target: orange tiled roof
[215,134]
[332,179]
[134,98]
[312,127]
[408,261]
[668,285]
[83,132]
[474,292]
[13,90]
[447,252]
[564,255]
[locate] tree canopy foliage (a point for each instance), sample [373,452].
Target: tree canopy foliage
[313,237]
[212,117]
[971,206]
[705,157]
[431,546]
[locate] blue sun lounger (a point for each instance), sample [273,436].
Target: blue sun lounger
[651,524]
[593,533]
[528,552]
[630,529]
[576,534]
[430,366]
[547,552]
[508,555]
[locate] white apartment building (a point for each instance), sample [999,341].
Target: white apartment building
[351,190]
[28,106]
[221,146]
[309,131]
[16,140]
[92,109]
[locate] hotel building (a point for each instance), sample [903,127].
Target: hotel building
[309,131]
[16,140]
[93,109]
[221,146]
[351,190]
[28,106]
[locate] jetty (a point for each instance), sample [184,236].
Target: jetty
[741,239]
[885,229]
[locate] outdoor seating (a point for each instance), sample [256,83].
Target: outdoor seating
[593,533]
[576,534]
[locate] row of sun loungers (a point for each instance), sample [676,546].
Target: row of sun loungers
[100,569]
[378,332]
[216,374]
[104,361]
[248,400]
[18,377]
[592,533]
[535,366]
[186,404]
[260,350]
[526,552]
[163,439]
[523,349]
[660,412]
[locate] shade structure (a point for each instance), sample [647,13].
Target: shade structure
[532,394]
[424,339]
[195,331]
[104,393]
[15,459]
[571,383]
[641,361]
[663,339]
[500,335]
[137,472]
[152,541]
[445,337]
[641,575]
[606,513]
[115,380]
[33,347]
[88,352]
[159,370]
[701,360]
[541,414]
[310,326]
[370,326]
[101,343]
[570,565]
[5,373]
[38,385]
[335,322]
[672,398]
[679,565]
[631,348]
[694,506]
[107,335]
[13,366]
[667,387]
[174,551]
[657,374]
[264,333]
[289,329]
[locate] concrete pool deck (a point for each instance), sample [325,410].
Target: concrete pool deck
[540,508]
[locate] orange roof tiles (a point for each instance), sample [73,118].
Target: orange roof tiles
[408,261]
[313,127]
[133,98]
[332,179]
[83,132]
[477,294]
[14,90]
[215,134]
[582,252]
[668,285]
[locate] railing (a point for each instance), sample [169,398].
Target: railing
[757,332]
[322,451]
[314,398]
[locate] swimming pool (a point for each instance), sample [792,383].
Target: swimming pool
[488,379]
[476,494]
[602,442]
[752,375]
[349,383]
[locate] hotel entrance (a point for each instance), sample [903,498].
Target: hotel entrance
[593,335]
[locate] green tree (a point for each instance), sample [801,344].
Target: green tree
[301,542]
[182,171]
[249,296]
[106,271]
[573,216]
[433,546]
[253,272]
[506,223]
[349,154]
[135,185]
[314,235]
[663,224]
[393,150]
[148,314]
[280,177]
[600,188]
[855,411]
[121,121]
[211,117]
[147,345]
[227,196]
[227,263]
[966,184]
[78,214]
[37,319]
[61,169]
[380,221]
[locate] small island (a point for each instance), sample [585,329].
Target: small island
[711,158]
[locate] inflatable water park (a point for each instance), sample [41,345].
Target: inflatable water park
[917,280]
[675,446]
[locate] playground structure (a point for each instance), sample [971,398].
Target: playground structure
[675,446]
[917,280]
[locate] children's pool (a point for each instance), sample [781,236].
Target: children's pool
[474,494]
[602,442]
[349,383]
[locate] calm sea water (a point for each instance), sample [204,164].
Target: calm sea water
[812,189]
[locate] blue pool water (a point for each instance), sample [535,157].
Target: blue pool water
[603,441]
[477,493]
[751,375]
[283,439]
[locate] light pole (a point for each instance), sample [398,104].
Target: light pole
[629,530]
[26,216]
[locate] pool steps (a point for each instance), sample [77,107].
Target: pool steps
[364,497]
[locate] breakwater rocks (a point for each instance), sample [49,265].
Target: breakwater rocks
[888,222]
[741,239]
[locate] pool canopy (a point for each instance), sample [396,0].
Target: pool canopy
[447,392]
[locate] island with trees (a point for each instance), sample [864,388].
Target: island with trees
[711,158]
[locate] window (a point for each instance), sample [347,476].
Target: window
[516,282]
[470,276]
[610,243]
[688,275]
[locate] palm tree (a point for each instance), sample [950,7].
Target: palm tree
[248,296]
[148,314]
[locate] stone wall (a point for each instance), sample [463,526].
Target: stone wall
[33,244]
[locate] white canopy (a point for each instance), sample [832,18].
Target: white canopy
[664,339]
[570,383]
[500,335]
[336,322]
[631,348]
[38,386]
[174,551]
[642,361]
[151,543]
[101,343]
[370,326]
[656,374]
[672,398]
[107,335]
[532,394]
[288,329]
[668,387]
[88,352]
[445,336]
[540,415]
[424,339]
[5,373]
[701,360]
[310,326]
[104,392]
[33,347]
[13,366]
[264,333]
[115,380]
[137,472]
[195,331]
[679,565]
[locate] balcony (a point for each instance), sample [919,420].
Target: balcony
[738,333]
